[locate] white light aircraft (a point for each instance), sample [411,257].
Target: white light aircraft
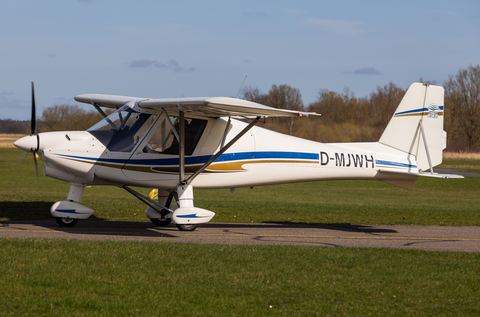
[179,144]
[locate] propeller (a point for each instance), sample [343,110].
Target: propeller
[34,119]
[33,123]
[31,143]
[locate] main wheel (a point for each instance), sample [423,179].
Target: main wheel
[161,222]
[186,227]
[66,222]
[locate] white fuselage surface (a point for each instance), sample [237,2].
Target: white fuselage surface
[260,157]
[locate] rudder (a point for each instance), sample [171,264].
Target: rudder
[416,126]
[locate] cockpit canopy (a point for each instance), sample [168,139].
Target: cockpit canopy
[125,129]
[122,129]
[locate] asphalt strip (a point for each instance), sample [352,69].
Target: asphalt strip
[431,238]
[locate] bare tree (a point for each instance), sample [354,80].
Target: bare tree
[428,82]
[285,97]
[253,94]
[338,108]
[68,118]
[382,104]
[462,100]
[330,104]
[13,126]
[344,117]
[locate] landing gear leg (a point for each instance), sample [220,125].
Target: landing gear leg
[67,212]
[185,199]
[187,217]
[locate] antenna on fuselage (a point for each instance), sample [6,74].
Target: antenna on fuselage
[241,86]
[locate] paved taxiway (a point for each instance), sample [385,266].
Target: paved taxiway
[435,238]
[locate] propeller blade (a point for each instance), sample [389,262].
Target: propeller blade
[24,156]
[33,120]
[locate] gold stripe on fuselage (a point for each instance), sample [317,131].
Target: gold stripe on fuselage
[215,167]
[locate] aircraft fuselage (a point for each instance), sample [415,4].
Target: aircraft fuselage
[261,157]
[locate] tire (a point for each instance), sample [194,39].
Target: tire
[186,227]
[161,222]
[66,222]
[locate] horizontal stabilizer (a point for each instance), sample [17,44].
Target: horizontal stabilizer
[407,180]
[436,175]
[425,174]
[400,179]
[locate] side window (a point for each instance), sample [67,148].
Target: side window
[165,142]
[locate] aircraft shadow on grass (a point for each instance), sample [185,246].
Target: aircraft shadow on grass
[37,213]
[24,211]
[126,228]
[343,227]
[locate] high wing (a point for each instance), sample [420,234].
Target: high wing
[107,101]
[202,106]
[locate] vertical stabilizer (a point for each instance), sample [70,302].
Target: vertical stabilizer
[417,125]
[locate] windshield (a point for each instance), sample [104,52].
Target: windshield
[122,130]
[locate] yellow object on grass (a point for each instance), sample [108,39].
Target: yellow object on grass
[153,194]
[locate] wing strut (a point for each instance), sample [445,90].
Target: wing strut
[227,128]
[426,147]
[422,132]
[149,202]
[104,115]
[184,181]
[99,109]
[171,125]
[181,148]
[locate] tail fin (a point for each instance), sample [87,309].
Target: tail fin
[417,125]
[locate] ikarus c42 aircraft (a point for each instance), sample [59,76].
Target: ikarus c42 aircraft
[175,145]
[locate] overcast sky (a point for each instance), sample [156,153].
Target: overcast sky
[160,49]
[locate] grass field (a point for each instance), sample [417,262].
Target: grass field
[434,202]
[6,140]
[77,278]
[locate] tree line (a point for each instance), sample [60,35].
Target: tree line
[55,118]
[345,118]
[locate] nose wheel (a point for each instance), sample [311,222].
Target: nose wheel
[186,227]
[161,222]
[66,222]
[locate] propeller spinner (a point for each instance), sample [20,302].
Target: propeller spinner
[31,143]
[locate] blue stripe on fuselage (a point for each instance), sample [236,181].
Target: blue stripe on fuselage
[229,157]
[394,164]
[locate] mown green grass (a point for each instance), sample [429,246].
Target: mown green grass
[433,202]
[472,166]
[22,199]
[75,278]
